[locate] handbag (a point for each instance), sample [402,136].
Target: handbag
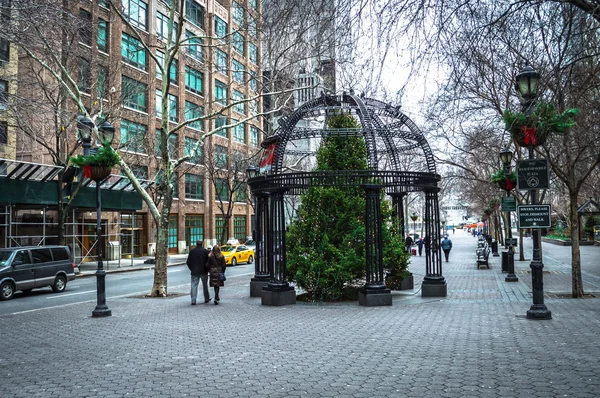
[222,277]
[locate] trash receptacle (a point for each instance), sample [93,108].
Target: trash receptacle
[504,261]
[114,250]
[495,248]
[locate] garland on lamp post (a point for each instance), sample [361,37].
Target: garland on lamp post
[97,166]
[506,181]
[533,130]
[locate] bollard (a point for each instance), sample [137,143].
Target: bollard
[504,261]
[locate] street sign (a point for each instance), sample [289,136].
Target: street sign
[510,242]
[534,216]
[533,174]
[509,203]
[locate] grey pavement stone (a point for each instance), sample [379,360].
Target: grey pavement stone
[476,342]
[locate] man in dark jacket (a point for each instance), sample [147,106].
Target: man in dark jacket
[197,262]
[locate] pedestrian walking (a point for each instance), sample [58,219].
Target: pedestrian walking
[420,245]
[446,247]
[216,270]
[408,243]
[197,263]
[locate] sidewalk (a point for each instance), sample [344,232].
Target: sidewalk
[127,264]
[476,342]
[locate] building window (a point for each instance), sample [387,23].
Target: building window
[221,189]
[239,134]
[239,70]
[132,136]
[221,61]
[253,82]
[172,106]
[239,228]
[220,92]
[136,13]
[194,46]
[103,35]
[85,29]
[220,157]
[84,81]
[188,148]
[194,13]
[172,71]
[140,172]
[237,43]
[239,107]
[193,111]
[219,227]
[220,27]
[134,94]
[221,121]
[162,27]
[3,133]
[3,94]
[237,13]
[252,26]
[132,52]
[173,229]
[171,144]
[194,186]
[4,51]
[253,53]
[253,4]
[254,135]
[194,80]
[194,229]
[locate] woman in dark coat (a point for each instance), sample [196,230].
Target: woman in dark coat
[216,265]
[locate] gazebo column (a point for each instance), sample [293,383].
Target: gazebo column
[398,215]
[434,283]
[374,292]
[278,291]
[262,276]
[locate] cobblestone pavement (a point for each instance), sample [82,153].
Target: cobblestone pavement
[474,343]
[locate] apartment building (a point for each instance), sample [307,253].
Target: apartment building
[218,65]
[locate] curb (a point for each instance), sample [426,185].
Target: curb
[123,269]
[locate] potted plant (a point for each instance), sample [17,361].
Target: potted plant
[505,181]
[534,129]
[97,166]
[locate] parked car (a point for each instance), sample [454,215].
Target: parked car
[250,244]
[27,268]
[235,254]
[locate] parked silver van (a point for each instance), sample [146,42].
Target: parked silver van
[27,268]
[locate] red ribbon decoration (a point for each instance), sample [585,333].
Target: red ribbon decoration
[508,184]
[528,135]
[87,171]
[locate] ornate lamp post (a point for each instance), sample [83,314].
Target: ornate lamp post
[262,275]
[106,133]
[506,159]
[526,85]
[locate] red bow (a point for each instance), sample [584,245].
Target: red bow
[87,171]
[529,135]
[508,184]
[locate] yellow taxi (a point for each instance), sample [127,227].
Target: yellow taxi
[235,254]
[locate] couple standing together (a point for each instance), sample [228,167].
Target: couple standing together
[204,264]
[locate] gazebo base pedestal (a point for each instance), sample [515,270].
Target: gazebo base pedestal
[374,297]
[256,285]
[434,288]
[278,296]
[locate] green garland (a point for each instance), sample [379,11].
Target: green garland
[105,157]
[545,119]
[500,176]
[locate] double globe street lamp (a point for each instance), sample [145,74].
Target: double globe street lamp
[106,133]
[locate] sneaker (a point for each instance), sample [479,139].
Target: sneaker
[207,301]
[193,303]
[217,299]
[216,302]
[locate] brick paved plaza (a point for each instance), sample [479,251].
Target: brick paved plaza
[474,343]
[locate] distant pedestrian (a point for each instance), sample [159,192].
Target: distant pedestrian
[408,243]
[446,247]
[197,263]
[420,245]
[216,268]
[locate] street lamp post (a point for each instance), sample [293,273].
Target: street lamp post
[527,86]
[106,133]
[506,159]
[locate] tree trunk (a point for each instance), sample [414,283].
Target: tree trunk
[576,279]
[159,287]
[521,251]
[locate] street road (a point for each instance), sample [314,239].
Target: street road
[119,284]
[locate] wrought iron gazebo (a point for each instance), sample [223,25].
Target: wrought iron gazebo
[390,137]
